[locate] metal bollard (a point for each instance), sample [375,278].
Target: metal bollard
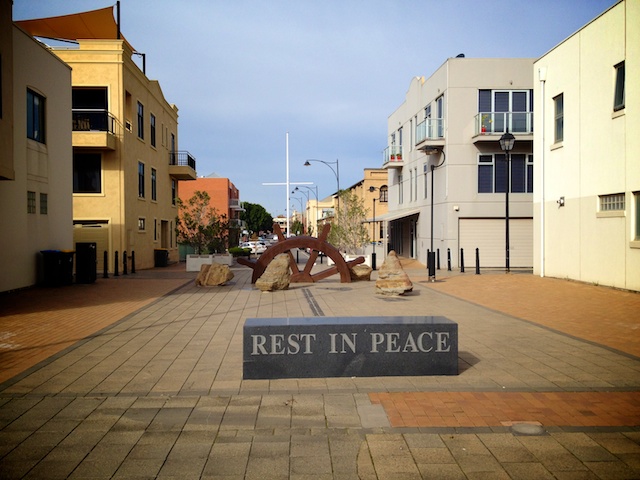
[105,263]
[462,260]
[115,268]
[428,257]
[448,259]
[477,261]
[133,261]
[124,262]
[438,258]
[297,255]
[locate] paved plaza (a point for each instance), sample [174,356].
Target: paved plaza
[140,376]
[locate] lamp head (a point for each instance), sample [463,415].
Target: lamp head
[307,164]
[506,142]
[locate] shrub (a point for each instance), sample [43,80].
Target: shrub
[240,252]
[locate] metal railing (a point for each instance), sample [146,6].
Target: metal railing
[430,129]
[182,159]
[491,123]
[393,153]
[85,120]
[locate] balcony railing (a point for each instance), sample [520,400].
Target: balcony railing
[182,159]
[234,203]
[429,129]
[92,120]
[392,156]
[497,123]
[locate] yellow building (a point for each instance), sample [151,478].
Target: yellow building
[126,160]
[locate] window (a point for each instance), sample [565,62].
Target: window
[636,197]
[90,109]
[142,224]
[612,203]
[31,202]
[154,189]
[174,192]
[44,203]
[155,229]
[140,121]
[400,192]
[558,103]
[140,180]
[152,125]
[425,169]
[492,173]
[440,108]
[618,100]
[506,109]
[384,194]
[87,173]
[400,136]
[0,86]
[35,116]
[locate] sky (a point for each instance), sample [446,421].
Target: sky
[245,74]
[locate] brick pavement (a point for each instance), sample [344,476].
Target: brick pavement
[159,393]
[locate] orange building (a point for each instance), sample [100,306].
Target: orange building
[225,199]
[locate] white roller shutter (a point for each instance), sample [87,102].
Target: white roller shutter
[488,235]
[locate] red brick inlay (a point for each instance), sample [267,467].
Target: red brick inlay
[489,409]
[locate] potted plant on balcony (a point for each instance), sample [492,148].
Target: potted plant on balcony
[399,157]
[485,120]
[393,157]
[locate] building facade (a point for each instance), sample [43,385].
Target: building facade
[587,205]
[447,173]
[224,198]
[126,158]
[36,156]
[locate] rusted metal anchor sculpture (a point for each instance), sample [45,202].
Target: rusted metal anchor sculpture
[316,246]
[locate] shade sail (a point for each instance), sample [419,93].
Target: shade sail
[95,24]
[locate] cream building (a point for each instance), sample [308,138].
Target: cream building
[126,157]
[446,169]
[587,149]
[36,155]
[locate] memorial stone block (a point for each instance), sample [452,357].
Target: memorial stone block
[313,347]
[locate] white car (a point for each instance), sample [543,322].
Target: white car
[256,247]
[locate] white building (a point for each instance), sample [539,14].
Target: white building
[444,157]
[587,150]
[36,157]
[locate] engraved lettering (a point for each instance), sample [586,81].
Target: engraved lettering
[258,344]
[442,342]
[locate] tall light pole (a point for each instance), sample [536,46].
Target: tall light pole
[301,210]
[335,171]
[373,253]
[506,143]
[431,260]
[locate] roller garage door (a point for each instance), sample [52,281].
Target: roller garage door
[488,234]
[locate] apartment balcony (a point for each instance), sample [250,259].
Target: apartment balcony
[490,126]
[234,204]
[430,129]
[182,166]
[93,129]
[392,157]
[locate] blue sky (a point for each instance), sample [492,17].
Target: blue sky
[330,72]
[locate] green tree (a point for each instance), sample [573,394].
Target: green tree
[296,227]
[256,217]
[348,232]
[199,225]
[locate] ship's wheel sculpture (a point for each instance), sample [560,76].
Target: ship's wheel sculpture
[315,246]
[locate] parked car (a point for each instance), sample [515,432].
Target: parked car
[256,247]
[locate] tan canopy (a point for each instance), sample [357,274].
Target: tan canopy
[95,24]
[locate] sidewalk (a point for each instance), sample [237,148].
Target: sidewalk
[141,377]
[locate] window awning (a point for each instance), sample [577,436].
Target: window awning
[395,215]
[95,24]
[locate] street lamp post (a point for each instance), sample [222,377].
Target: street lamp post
[301,210]
[506,143]
[335,171]
[431,259]
[373,253]
[297,189]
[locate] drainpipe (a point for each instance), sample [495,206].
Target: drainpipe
[542,76]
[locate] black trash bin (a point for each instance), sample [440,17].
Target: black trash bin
[58,267]
[161,257]
[86,262]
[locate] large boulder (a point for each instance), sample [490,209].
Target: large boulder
[214,275]
[360,272]
[276,276]
[392,280]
